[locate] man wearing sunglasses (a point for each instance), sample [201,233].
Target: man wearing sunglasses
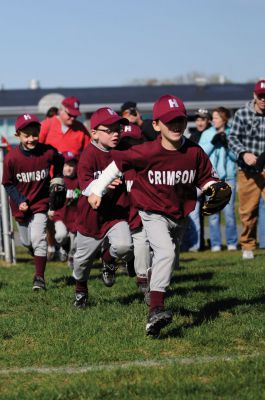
[247,141]
[64,131]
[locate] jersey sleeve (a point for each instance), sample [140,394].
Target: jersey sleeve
[129,159]
[85,169]
[205,172]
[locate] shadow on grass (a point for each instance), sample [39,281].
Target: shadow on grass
[203,276]
[64,280]
[197,289]
[209,312]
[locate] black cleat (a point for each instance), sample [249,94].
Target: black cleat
[81,300]
[108,274]
[157,320]
[130,268]
[38,283]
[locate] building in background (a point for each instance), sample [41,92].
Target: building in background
[37,100]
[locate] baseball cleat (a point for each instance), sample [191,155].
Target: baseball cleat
[143,286]
[38,283]
[108,274]
[130,268]
[157,320]
[81,300]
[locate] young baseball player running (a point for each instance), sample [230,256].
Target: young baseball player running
[105,227]
[26,178]
[65,218]
[168,171]
[131,136]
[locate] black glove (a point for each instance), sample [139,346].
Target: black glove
[260,162]
[220,139]
[250,169]
[57,194]
[219,194]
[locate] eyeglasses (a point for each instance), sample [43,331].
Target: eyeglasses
[133,111]
[70,115]
[261,96]
[111,131]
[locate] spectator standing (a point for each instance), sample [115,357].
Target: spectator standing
[193,236]
[64,131]
[214,141]
[130,111]
[247,141]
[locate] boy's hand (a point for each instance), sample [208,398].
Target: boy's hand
[94,201]
[23,207]
[51,214]
[115,183]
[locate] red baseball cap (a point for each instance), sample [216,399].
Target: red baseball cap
[24,120]
[106,116]
[69,156]
[72,105]
[132,131]
[260,87]
[168,107]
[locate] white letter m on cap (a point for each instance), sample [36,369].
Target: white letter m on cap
[262,85]
[173,103]
[26,116]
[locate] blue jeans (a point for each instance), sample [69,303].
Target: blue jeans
[192,232]
[230,222]
[261,223]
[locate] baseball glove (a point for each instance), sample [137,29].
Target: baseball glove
[218,196]
[57,194]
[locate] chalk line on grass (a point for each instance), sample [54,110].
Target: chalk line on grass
[123,365]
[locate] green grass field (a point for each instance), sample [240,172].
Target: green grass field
[214,349]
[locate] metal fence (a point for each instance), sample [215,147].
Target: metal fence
[7,240]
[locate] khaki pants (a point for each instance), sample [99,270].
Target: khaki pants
[250,187]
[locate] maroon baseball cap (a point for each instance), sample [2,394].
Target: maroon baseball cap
[168,107]
[132,131]
[260,87]
[69,156]
[106,116]
[72,105]
[24,120]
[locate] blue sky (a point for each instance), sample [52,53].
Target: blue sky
[86,43]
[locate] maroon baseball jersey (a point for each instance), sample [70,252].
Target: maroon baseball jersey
[166,180]
[115,204]
[29,172]
[68,213]
[135,221]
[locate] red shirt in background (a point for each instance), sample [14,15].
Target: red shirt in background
[75,139]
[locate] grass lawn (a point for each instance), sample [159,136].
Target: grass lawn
[214,349]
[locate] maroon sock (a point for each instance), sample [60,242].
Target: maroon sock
[141,280]
[40,264]
[107,257]
[156,300]
[81,286]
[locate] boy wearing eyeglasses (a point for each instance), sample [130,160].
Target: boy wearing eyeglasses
[106,227]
